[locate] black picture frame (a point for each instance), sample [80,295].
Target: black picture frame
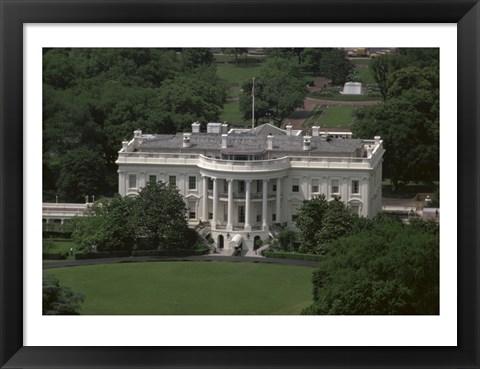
[14,13]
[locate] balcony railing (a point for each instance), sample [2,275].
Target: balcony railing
[154,158]
[244,165]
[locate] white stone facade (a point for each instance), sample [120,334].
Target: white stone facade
[242,183]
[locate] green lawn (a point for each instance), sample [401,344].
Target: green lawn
[331,116]
[237,74]
[327,95]
[190,288]
[231,114]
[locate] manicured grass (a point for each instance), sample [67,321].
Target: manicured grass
[231,114]
[365,76]
[237,74]
[337,116]
[190,288]
[340,116]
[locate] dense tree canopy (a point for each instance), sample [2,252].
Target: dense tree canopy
[408,121]
[157,218]
[95,98]
[321,221]
[59,300]
[391,269]
[279,90]
[330,63]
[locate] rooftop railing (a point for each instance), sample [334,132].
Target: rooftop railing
[250,165]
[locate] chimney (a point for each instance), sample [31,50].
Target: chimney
[369,152]
[306,143]
[125,146]
[270,142]
[315,131]
[195,127]
[225,127]
[224,141]
[186,140]
[377,140]
[289,129]
[137,138]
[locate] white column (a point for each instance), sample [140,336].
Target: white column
[278,204]
[215,203]
[264,205]
[205,199]
[121,183]
[247,227]
[230,205]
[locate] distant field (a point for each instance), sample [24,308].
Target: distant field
[60,247]
[190,288]
[237,74]
[331,116]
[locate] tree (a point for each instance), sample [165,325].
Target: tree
[237,51]
[279,90]
[195,57]
[408,123]
[321,221]
[393,269]
[284,240]
[198,95]
[330,63]
[160,215]
[381,67]
[108,226]
[59,300]
[82,173]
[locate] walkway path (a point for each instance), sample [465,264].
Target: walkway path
[141,259]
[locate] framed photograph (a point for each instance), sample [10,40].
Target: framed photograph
[30,339]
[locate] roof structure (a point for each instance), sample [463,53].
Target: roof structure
[252,142]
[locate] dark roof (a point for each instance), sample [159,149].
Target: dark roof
[248,142]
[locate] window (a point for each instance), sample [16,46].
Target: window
[192,183]
[132,181]
[225,185]
[241,186]
[295,185]
[191,211]
[210,184]
[355,209]
[355,186]
[259,217]
[274,188]
[172,180]
[259,185]
[241,214]
[274,217]
[210,215]
[335,186]
[315,186]
[152,179]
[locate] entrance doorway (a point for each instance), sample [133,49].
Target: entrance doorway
[220,241]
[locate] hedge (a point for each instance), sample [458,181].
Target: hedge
[102,255]
[47,256]
[175,253]
[121,254]
[57,234]
[293,255]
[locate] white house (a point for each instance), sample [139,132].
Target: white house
[244,181]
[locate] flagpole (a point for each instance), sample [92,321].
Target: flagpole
[253,104]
